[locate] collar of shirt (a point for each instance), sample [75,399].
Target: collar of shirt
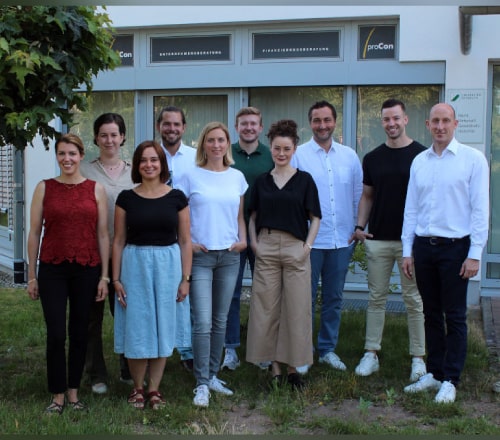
[452,147]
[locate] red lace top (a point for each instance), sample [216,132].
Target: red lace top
[70,223]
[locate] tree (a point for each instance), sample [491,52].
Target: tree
[48,54]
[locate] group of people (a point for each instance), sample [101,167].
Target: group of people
[169,237]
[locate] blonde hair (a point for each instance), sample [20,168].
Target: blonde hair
[201,157]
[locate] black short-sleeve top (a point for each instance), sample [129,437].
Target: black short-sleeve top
[152,222]
[286,209]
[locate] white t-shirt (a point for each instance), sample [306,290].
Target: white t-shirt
[214,202]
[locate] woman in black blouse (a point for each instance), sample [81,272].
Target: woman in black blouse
[285,215]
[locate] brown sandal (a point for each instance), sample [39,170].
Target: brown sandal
[156,400]
[136,398]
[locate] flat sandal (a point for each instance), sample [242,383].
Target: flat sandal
[136,398]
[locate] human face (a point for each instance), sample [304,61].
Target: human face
[109,139]
[68,157]
[150,166]
[322,125]
[441,124]
[216,145]
[394,121]
[249,128]
[171,129]
[282,149]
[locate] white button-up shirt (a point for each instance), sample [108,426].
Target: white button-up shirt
[339,177]
[448,196]
[182,161]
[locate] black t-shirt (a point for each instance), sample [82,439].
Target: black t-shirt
[387,170]
[152,222]
[286,209]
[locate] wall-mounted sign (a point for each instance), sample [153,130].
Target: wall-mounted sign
[296,45]
[124,45]
[377,42]
[204,48]
[469,105]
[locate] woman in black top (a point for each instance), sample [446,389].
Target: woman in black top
[284,221]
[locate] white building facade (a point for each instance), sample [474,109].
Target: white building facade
[213,60]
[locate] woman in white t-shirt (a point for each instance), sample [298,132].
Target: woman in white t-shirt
[215,191]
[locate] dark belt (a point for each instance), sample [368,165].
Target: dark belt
[437,241]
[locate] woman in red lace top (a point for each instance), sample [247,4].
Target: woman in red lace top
[73,266]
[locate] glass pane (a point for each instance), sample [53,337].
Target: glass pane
[199,111]
[106,102]
[493,271]
[494,238]
[293,103]
[418,101]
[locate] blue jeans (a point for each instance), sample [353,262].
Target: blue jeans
[233,317]
[444,294]
[214,275]
[332,266]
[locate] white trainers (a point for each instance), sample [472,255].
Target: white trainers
[217,385]
[425,382]
[333,360]
[231,361]
[418,369]
[100,388]
[368,364]
[446,393]
[303,369]
[201,396]
[264,365]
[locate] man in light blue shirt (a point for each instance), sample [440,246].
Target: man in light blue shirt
[171,124]
[336,170]
[445,229]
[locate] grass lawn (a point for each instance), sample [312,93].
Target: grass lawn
[333,403]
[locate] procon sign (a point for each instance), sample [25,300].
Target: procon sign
[377,42]
[124,45]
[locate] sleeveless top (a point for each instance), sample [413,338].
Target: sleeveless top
[70,223]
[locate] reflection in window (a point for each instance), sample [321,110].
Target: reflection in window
[293,103]
[418,101]
[105,102]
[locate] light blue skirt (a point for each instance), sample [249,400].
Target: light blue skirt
[153,323]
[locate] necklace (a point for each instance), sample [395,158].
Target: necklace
[111,168]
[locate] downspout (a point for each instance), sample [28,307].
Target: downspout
[18,217]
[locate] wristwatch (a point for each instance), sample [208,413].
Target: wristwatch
[358,227]
[186,278]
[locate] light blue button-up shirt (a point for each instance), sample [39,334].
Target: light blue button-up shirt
[339,177]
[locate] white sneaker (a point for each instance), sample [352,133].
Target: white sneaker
[446,393]
[264,365]
[425,382]
[418,369]
[231,361]
[368,364]
[217,385]
[333,360]
[201,396]
[100,388]
[303,369]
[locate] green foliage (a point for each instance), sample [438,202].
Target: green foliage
[47,53]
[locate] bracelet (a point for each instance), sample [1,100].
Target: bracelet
[30,281]
[358,227]
[104,279]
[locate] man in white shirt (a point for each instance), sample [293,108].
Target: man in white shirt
[337,172]
[171,124]
[445,228]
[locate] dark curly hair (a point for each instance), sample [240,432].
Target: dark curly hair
[285,128]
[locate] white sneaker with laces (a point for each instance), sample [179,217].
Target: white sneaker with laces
[231,361]
[303,369]
[418,369]
[201,396]
[446,393]
[368,364]
[217,385]
[425,382]
[333,360]
[100,388]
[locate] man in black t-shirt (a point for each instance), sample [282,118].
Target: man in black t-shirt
[386,171]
